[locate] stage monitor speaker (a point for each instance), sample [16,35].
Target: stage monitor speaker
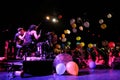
[38,67]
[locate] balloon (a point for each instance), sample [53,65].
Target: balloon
[74,30]
[69,43]
[62,58]
[90,45]
[86,24]
[68,31]
[57,51]
[60,68]
[72,21]
[63,35]
[78,38]
[74,25]
[103,26]
[65,31]
[18,73]
[92,64]
[111,44]
[79,20]
[109,15]
[72,68]
[101,21]
[60,17]
[57,46]
[77,43]
[64,39]
[82,44]
[81,28]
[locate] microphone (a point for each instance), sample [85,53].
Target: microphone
[40,31]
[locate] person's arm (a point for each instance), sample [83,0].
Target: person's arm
[35,35]
[97,60]
[22,37]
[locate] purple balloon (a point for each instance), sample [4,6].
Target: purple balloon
[62,58]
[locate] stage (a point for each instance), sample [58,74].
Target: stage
[39,69]
[87,74]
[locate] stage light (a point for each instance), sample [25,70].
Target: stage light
[48,17]
[54,20]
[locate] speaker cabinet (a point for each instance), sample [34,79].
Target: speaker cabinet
[44,67]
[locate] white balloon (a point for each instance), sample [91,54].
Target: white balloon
[109,15]
[101,21]
[72,21]
[60,68]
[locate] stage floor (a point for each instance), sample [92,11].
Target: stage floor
[87,74]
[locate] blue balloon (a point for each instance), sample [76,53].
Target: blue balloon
[92,65]
[60,68]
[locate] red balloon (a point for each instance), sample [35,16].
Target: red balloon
[111,44]
[60,17]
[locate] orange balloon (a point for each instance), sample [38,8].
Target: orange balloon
[103,26]
[74,25]
[63,35]
[72,68]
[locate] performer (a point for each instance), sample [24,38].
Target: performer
[18,39]
[30,38]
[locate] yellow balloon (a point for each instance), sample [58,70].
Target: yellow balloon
[90,45]
[78,38]
[65,31]
[68,31]
[82,44]
[74,25]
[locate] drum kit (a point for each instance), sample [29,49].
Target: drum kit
[44,49]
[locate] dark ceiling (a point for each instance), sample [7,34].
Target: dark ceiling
[23,13]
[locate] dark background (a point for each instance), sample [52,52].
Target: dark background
[17,13]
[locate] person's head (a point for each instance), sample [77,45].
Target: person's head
[33,27]
[20,30]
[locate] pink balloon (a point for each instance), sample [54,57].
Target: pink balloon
[86,24]
[72,68]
